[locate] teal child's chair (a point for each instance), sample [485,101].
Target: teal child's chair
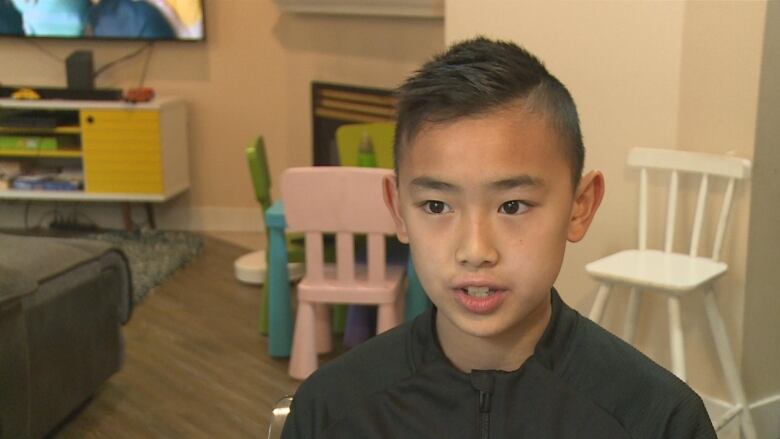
[251,268]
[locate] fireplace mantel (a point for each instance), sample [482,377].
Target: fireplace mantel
[391,8]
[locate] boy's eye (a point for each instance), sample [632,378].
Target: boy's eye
[513,207]
[435,207]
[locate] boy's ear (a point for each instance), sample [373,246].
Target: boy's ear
[390,192]
[587,199]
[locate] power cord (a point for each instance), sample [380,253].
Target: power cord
[72,222]
[46,51]
[146,64]
[51,212]
[122,59]
[147,45]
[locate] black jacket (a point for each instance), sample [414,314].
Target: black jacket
[581,382]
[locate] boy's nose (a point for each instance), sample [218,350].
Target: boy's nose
[476,247]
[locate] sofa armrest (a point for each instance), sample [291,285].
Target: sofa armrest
[14,284]
[31,261]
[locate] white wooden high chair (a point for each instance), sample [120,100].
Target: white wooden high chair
[675,274]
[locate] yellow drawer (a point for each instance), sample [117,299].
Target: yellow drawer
[121,137]
[130,117]
[104,128]
[109,150]
[108,157]
[122,152]
[113,126]
[139,180]
[124,168]
[124,188]
[138,183]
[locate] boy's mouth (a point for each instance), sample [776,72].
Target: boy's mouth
[478,291]
[480,299]
[477,286]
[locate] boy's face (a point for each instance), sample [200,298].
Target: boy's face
[486,204]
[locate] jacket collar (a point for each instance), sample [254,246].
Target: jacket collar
[550,351]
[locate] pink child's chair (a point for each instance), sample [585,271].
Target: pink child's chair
[345,201]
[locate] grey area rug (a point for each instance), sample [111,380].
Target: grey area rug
[154,255]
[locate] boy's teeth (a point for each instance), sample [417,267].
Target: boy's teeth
[478,291]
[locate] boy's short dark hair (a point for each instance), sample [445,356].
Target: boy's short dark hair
[478,76]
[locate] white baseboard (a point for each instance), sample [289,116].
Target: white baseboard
[765,412]
[224,219]
[109,215]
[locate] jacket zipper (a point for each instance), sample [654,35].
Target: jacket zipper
[484,410]
[483,382]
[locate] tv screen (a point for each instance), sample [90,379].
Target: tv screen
[104,19]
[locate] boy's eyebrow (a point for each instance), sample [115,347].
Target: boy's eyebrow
[430,183]
[433,184]
[515,182]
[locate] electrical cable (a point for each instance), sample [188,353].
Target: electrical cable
[107,66]
[89,219]
[44,215]
[121,59]
[44,50]
[146,64]
[135,225]
[76,213]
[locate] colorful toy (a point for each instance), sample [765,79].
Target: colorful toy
[25,93]
[139,94]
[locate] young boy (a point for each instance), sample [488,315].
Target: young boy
[488,190]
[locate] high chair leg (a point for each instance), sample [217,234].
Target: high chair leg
[634,300]
[676,337]
[303,359]
[729,365]
[600,303]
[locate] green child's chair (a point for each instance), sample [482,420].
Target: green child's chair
[251,268]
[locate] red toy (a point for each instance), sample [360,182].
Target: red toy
[139,94]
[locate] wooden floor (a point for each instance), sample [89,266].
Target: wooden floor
[195,364]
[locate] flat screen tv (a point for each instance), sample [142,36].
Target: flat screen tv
[175,20]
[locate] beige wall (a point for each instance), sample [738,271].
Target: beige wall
[251,76]
[761,352]
[681,75]
[719,90]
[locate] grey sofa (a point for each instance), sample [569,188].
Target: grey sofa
[62,302]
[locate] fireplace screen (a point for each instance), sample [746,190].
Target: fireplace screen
[334,105]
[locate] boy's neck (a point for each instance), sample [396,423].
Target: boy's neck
[506,351]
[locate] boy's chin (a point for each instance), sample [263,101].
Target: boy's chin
[478,326]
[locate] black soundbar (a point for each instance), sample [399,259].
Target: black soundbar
[98,94]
